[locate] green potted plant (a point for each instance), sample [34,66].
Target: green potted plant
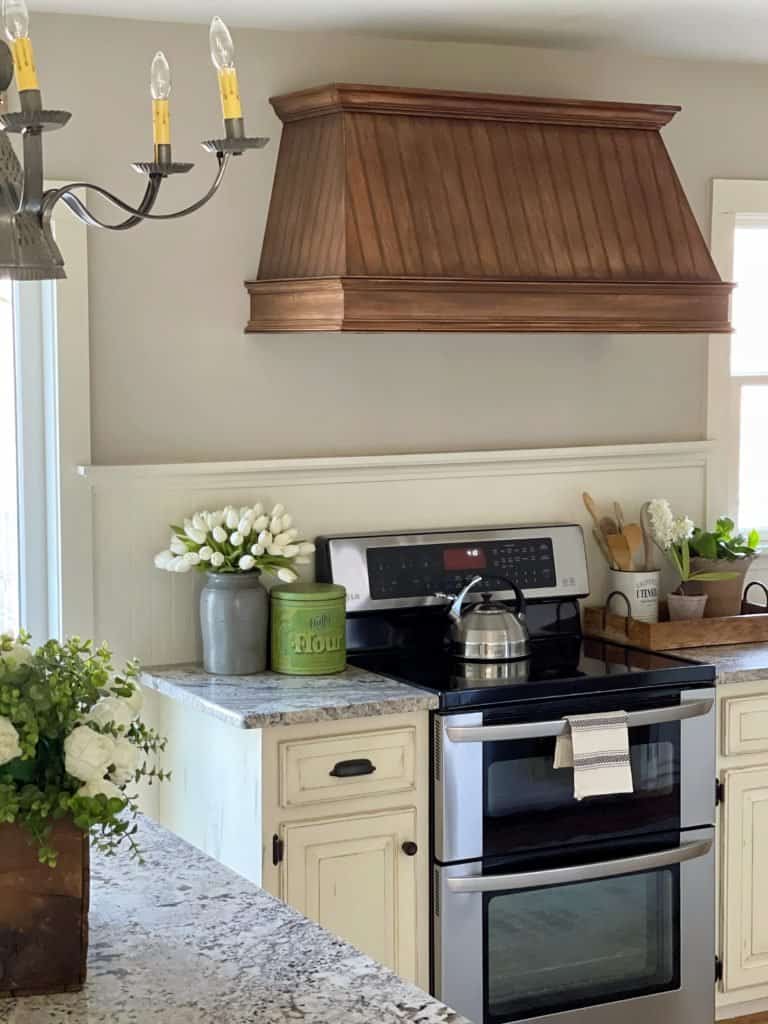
[674,535]
[721,558]
[72,748]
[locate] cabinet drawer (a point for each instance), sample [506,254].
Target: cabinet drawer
[306,766]
[745,725]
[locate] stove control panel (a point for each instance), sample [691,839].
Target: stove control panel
[383,571]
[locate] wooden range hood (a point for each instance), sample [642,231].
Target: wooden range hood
[417,210]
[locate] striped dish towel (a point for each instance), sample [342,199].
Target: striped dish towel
[597,748]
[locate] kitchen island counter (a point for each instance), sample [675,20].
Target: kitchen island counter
[183,940]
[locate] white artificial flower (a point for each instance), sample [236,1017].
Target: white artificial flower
[233,518]
[287,575]
[198,536]
[246,562]
[236,538]
[87,754]
[125,761]
[110,711]
[287,522]
[200,521]
[192,558]
[181,564]
[178,547]
[217,559]
[264,538]
[205,553]
[101,787]
[278,510]
[302,560]
[260,523]
[682,529]
[276,550]
[662,522]
[257,550]
[245,526]
[216,519]
[306,548]
[163,559]
[258,510]
[291,550]
[9,741]
[219,534]
[275,525]
[287,537]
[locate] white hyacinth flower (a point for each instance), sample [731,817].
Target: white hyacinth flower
[257,550]
[219,534]
[260,523]
[236,538]
[662,522]
[192,558]
[287,575]
[198,536]
[245,525]
[205,553]
[291,550]
[163,559]
[682,529]
[217,559]
[258,510]
[246,562]
[233,518]
[275,525]
[200,521]
[178,547]
[306,548]
[264,538]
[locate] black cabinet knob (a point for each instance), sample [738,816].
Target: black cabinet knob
[410,849]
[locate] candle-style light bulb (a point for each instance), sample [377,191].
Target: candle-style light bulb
[16,26]
[223,57]
[160,88]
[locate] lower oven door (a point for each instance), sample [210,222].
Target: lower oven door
[628,937]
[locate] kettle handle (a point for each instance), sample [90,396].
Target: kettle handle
[519,595]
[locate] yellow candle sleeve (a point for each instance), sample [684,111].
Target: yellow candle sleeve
[230,94]
[24,65]
[161,122]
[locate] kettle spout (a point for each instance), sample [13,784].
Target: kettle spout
[454,612]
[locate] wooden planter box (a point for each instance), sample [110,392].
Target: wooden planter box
[43,913]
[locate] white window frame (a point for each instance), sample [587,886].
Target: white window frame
[732,200]
[54,437]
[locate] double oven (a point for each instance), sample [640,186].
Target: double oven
[547,907]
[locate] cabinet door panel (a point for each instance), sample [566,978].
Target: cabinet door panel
[352,877]
[745,725]
[746,878]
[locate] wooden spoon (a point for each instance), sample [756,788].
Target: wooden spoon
[645,523]
[633,534]
[603,545]
[619,513]
[591,507]
[608,525]
[617,542]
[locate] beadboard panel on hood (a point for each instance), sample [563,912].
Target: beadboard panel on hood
[144,612]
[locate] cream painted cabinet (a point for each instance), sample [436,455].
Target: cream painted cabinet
[346,836]
[352,875]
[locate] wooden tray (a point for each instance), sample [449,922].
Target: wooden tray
[748,628]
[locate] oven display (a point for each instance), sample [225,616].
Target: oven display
[464,558]
[421,570]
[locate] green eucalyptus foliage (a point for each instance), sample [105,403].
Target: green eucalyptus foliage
[721,543]
[45,696]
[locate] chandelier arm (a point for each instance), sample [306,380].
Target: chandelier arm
[55,195]
[148,201]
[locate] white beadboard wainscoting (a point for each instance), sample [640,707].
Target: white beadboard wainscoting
[145,613]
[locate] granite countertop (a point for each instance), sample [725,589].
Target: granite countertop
[735,663]
[253,702]
[183,940]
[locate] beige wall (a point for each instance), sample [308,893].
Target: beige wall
[175,378]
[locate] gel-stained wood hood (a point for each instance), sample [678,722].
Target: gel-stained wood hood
[416,210]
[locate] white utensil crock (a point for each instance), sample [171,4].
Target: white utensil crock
[641,590]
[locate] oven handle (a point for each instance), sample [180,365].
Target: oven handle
[540,730]
[581,872]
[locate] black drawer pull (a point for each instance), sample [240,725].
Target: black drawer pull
[348,769]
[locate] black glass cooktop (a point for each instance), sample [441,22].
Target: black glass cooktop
[556,668]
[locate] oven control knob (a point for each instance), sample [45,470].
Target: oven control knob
[410,849]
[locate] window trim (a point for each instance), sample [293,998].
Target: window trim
[731,199]
[54,437]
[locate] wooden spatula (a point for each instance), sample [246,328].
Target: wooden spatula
[633,534]
[619,547]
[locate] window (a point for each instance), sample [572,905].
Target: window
[44,434]
[738,365]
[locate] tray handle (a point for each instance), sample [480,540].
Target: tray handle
[606,609]
[747,608]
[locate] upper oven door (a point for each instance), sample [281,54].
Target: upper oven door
[496,790]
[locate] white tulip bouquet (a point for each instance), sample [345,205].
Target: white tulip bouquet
[246,539]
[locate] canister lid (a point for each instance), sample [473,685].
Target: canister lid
[308,592]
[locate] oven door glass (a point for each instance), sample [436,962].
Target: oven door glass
[557,949]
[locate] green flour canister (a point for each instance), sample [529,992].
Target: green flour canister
[309,629]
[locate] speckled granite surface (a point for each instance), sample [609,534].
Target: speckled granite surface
[253,702]
[183,940]
[735,663]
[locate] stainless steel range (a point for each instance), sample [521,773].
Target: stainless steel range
[543,906]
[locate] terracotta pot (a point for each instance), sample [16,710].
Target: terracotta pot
[724,595]
[43,913]
[686,606]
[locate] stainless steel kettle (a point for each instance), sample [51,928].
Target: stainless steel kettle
[489,630]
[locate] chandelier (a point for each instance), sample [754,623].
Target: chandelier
[28,250]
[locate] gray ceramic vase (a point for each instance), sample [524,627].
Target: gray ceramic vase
[234,620]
